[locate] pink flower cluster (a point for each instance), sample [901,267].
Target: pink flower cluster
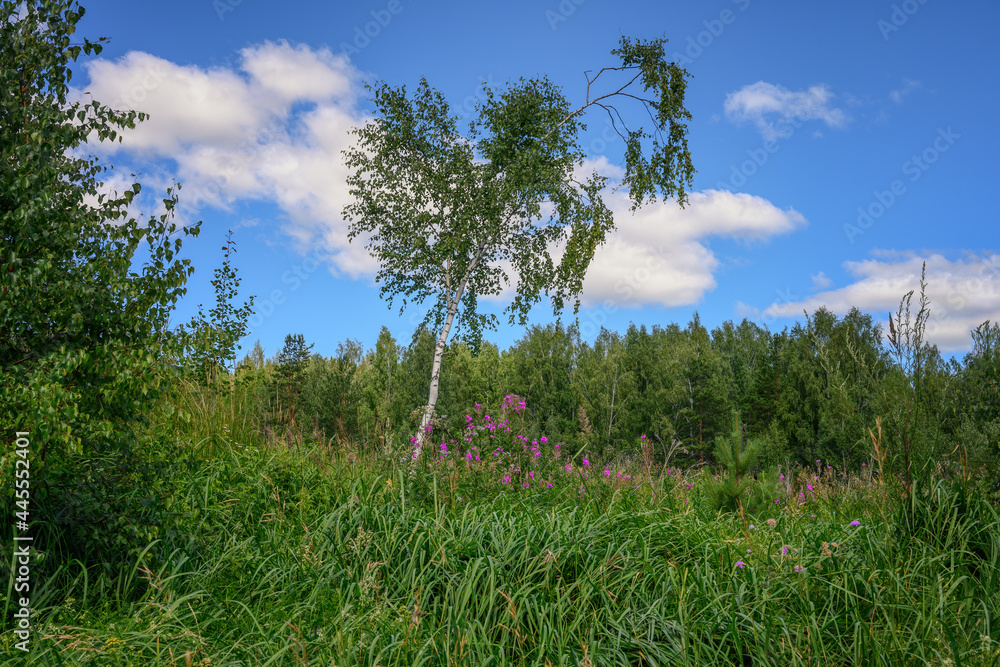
[512,403]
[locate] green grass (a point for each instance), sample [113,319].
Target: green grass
[286,557]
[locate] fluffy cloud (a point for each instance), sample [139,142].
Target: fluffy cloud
[273,129]
[776,111]
[659,255]
[186,105]
[963,293]
[294,75]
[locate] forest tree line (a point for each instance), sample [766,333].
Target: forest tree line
[829,389]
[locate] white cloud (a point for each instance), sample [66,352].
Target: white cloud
[658,255]
[963,293]
[273,129]
[187,105]
[602,165]
[777,111]
[820,281]
[300,74]
[909,85]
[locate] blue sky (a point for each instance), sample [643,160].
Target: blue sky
[839,146]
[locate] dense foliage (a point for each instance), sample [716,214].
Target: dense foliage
[85,295]
[821,390]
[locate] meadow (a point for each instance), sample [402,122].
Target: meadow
[495,548]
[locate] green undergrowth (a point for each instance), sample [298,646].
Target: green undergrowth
[291,557]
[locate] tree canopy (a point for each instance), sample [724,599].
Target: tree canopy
[83,319]
[88,359]
[453,217]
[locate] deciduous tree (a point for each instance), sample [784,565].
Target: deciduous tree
[453,217]
[85,288]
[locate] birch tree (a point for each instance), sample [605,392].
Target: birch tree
[452,217]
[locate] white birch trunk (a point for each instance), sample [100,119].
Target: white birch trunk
[421,436]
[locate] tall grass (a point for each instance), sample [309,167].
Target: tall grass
[309,557]
[205,414]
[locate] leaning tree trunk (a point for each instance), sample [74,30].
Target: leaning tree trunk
[420,438]
[422,431]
